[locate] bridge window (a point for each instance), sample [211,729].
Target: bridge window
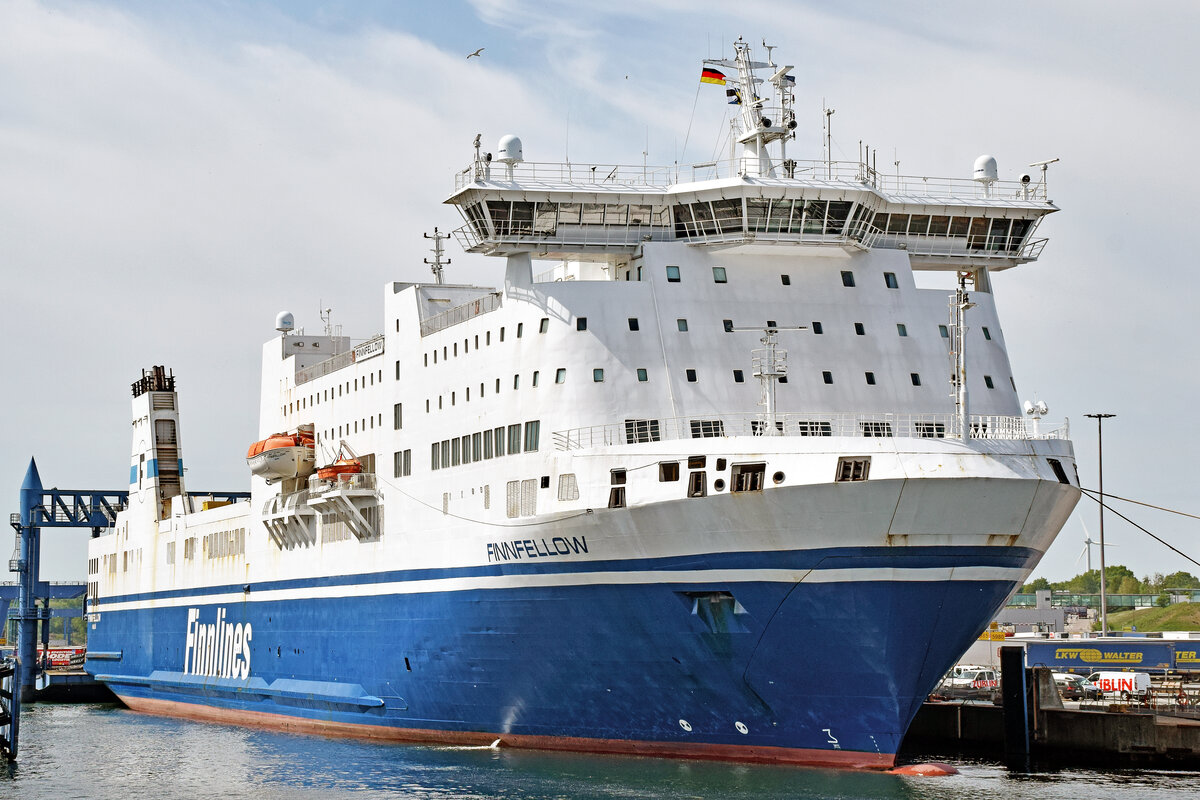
[638,431]
[987,381]
[901,329]
[847,278]
[870,378]
[876,429]
[986,334]
[580,324]
[691,375]
[860,329]
[818,328]
[633,324]
[738,376]
[719,275]
[668,471]
[827,376]
[672,274]
[915,377]
[682,325]
[642,375]
[598,376]
[944,331]
[786,279]
[889,278]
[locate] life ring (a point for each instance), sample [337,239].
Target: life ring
[1182,698]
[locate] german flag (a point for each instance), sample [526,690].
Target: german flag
[709,75]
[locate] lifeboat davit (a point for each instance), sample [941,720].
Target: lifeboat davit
[282,455]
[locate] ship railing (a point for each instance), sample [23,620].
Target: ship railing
[461,313]
[917,426]
[524,234]
[324,367]
[608,176]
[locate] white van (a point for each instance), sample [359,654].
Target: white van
[1121,684]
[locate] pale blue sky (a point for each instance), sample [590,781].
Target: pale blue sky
[172,174]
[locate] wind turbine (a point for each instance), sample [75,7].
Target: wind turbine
[1088,541]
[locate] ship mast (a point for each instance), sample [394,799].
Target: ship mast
[959,305]
[438,262]
[755,128]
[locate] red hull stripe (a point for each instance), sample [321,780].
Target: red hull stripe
[842,759]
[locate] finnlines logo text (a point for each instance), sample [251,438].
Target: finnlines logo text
[217,650]
[535,548]
[1090,655]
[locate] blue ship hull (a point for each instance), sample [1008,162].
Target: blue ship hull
[814,672]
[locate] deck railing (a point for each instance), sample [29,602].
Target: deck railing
[461,313]
[916,426]
[831,172]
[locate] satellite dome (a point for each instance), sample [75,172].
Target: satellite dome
[285,322]
[509,149]
[985,169]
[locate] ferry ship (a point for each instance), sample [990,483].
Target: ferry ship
[708,476]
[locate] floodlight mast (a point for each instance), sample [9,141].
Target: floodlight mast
[770,364]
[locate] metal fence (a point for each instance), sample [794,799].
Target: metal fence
[462,313]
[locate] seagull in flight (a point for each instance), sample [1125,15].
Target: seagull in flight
[476,53]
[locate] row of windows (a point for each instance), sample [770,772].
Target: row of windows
[337,391]
[365,424]
[492,443]
[704,218]
[225,543]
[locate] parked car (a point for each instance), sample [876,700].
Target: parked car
[1075,687]
[970,681]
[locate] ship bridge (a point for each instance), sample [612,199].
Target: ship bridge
[595,212]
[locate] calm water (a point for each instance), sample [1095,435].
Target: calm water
[106,753]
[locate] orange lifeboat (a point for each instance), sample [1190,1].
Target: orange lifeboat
[343,466]
[282,455]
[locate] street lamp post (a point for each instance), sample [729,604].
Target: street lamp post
[1100,461]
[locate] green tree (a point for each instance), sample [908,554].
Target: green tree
[1034,585]
[1181,580]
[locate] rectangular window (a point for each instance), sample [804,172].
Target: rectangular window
[915,377]
[691,375]
[852,469]
[445,453]
[707,428]
[581,323]
[876,429]
[860,329]
[616,477]
[930,430]
[738,376]
[638,431]
[398,416]
[436,461]
[818,328]
[568,486]
[476,446]
[643,376]
[847,278]
[532,429]
[827,376]
[502,334]
[986,334]
[901,329]
[487,444]
[633,324]
[516,381]
[747,477]
[987,381]
[455,452]
[697,462]
[520,329]
[944,331]
[668,471]
[498,436]
[697,484]
[616,497]
[598,375]
[1059,472]
[672,274]
[536,374]
[560,375]
[513,499]
[787,279]
[514,439]
[719,275]
[870,378]
[889,278]
[815,428]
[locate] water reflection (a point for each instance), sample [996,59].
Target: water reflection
[107,753]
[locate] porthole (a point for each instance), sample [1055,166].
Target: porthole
[719,484]
[777,477]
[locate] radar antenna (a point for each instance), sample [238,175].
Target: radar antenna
[438,262]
